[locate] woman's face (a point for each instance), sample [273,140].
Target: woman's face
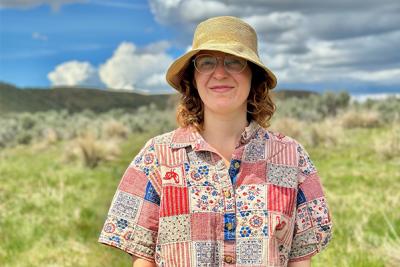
[223,92]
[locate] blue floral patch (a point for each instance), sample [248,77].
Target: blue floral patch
[245,231]
[234,170]
[229,219]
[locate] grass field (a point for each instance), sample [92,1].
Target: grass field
[51,210]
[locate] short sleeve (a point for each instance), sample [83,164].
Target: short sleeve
[132,220]
[313,225]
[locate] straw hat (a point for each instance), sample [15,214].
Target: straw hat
[225,34]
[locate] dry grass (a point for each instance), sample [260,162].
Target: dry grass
[51,136]
[388,145]
[391,246]
[288,126]
[326,133]
[114,129]
[90,150]
[360,119]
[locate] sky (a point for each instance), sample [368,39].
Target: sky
[114,45]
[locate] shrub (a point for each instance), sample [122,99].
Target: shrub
[27,121]
[360,118]
[50,136]
[114,129]
[287,126]
[314,107]
[52,126]
[388,108]
[24,138]
[327,133]
[91,151]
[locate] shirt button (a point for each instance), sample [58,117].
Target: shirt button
[229,226]
[229,259]
[227,193]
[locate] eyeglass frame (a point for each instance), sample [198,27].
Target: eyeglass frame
[218,59]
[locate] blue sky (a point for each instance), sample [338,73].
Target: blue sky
[129,44]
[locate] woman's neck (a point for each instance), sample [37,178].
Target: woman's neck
[224,132]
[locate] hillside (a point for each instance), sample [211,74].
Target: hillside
[13,99]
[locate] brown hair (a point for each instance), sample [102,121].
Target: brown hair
[260,107]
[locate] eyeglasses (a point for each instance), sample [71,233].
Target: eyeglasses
[206,64]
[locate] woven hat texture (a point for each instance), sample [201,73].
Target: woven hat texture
[225,34]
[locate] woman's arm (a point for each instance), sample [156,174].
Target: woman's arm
[138,262]
[305,263]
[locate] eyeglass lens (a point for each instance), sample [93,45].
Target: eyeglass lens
[208,63]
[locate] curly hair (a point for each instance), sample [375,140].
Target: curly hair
[260,107]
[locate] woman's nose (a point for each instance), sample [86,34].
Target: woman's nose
[220,71]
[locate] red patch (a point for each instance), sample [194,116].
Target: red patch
[207,226]
[174,201]
[133,182]
[281,199]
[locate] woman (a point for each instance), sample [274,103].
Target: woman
[220,190]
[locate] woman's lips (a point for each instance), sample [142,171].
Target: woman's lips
[221,88]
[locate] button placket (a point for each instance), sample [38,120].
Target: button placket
[227,190]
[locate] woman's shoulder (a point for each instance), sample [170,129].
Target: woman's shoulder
[167,138]
[164,138]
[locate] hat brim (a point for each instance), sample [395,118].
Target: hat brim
[178,67]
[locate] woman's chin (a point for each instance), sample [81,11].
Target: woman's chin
[226,108]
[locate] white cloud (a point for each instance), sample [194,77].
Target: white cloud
[312,41]
[200,10]
[387,77]
[154,48]
[26,4]
[164,9]
[276,21]
[131,68]
[75,73]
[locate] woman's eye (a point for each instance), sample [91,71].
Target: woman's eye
[207,62]
[233,62]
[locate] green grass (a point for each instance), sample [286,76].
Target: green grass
[363,193]
[51,211]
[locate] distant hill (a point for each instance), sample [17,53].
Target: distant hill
[13,99]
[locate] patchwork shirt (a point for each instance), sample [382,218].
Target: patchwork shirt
[178,204]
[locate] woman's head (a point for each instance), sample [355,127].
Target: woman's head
[223,83]
[225,50]
[191,107]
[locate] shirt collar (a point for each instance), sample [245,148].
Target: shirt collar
[189,136]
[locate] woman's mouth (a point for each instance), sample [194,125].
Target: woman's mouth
[221,88]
